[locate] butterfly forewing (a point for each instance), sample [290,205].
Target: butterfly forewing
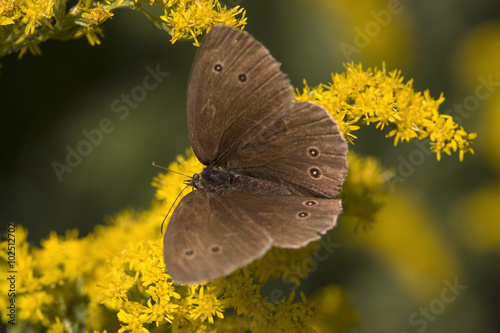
[235,90]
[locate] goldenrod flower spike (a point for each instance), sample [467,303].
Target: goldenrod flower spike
[360,97]
[27,23]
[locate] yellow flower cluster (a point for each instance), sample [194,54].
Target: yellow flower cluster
[59,285]
[92,18]
[27,23]
[190,19]
[31,13]
[147,299]
[361,97]
[114,279]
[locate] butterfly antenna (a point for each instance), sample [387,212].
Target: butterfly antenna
[162,167]
[178,195]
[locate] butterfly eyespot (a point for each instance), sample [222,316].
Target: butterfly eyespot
[242,77]
[215,249]
[189,253]
[303,214]
[218,68]
[315,173]
[310,203]
[313,152]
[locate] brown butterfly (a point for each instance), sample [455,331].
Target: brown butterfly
[272,164]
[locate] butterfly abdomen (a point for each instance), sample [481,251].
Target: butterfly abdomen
[217,180]
[258,186]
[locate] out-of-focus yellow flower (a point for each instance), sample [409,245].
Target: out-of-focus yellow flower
[477,213]
[477,57]
[408,245]
[477,217]
[57,327]
[370,29]
[335,316]
[364,183]
[477,54]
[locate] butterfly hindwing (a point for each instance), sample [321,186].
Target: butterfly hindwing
[303,148]
[290,221]
[209,236]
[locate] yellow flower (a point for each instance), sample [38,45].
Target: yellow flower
[5,10]
[93,18]
[362,97]
[117,287]
[57,327]
[364,183]
[193,18]
[132,321]
[239,292]
[35,13]
[206,305]
[97,15]
[288,264]
[31,307]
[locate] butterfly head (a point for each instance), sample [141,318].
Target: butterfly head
[194,181]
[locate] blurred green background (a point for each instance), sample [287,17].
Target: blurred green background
[439,227]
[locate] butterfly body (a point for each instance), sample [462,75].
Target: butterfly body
[216,180]
[273,166]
